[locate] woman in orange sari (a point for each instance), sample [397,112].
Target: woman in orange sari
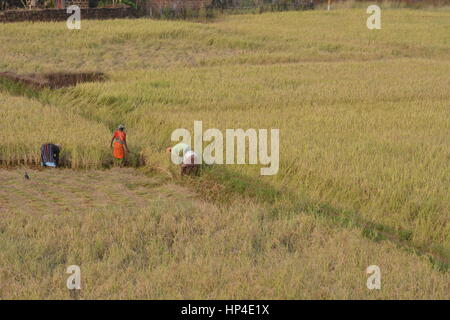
[119,140]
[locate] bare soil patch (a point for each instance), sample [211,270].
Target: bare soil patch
[53,80]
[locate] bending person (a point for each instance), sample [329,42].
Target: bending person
[50,155]
[189,164]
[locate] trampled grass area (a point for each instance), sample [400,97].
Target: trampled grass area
[363,116]
[142,237]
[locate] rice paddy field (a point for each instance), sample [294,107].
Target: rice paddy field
[364,177]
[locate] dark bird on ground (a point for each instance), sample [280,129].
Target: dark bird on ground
[27,176]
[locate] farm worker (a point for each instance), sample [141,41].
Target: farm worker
[179,149]
[119,140]
[50,155]
[189,164]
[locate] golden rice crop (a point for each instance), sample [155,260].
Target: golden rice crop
[27,124]
[363,114]
[137,237]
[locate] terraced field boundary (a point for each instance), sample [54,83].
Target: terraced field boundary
[52,80]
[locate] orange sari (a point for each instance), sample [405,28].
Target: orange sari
[120,138]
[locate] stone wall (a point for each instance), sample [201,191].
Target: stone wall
[174,4]
[62,4]
[80,3]
[62,15]
[156,7]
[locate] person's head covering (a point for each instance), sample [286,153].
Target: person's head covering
[121,126]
